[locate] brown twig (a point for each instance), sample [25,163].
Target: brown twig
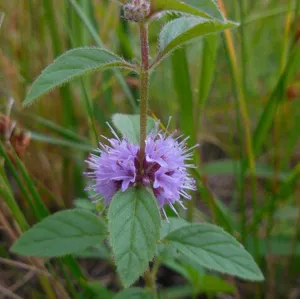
[28,276]
[8,293]
[23,266]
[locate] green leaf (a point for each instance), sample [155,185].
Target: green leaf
[182,30]
[215,249]
[163,250]
[171,225]
[134,224]
[203,8]
[129,126]
[99,251]
[62,233]
[134,293]
[73,64]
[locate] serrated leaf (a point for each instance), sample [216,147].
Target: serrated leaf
[203,8]
[215,249]
[134,224]
[73,64]
[129,126]
[62,233]
[134,293]
[182,30]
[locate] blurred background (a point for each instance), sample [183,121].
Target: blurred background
[236,93]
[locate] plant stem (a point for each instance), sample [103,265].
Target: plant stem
[144,88]
[150,282]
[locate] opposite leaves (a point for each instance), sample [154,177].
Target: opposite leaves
[65,232]
[213,248]
[134,224]
[73,64]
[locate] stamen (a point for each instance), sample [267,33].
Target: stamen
[164,212]
[174,210]
[113,131]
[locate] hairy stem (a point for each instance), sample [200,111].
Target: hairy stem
[144,88]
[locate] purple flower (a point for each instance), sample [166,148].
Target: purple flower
[164,168]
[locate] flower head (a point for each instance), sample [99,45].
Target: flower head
[164,168]
[136,10]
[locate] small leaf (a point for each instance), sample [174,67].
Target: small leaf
[134,224]
[129,126]
[62,233]
[134,293]
[215,249]
[203,8]
[182,30]
[73,64]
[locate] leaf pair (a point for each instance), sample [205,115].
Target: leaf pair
[135,230]
[201,18]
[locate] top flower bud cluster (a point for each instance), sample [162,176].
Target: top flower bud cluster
[136,10]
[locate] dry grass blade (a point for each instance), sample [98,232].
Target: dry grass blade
[23,266]
[27,277]
[6,292]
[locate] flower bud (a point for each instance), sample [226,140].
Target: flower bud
[136,10]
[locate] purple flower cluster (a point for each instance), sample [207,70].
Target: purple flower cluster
[164,168]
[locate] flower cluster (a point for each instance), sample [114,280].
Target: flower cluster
[164,168]
[136,10]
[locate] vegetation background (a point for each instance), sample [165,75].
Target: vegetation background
[235,93]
